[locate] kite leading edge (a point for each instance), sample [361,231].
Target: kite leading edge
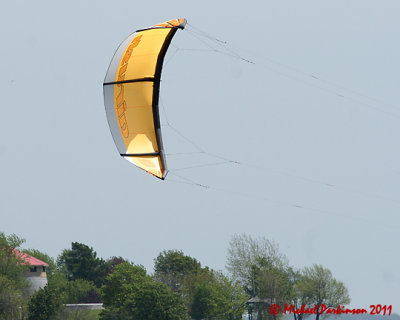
[131,94]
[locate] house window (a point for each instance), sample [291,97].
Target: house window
[33,269]
[44,269]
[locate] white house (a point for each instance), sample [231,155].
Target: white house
[36,274]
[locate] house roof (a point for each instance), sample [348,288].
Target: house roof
[29,260]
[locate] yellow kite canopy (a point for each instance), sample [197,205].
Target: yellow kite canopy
[131,94]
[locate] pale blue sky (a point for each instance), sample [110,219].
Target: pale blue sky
[302,141]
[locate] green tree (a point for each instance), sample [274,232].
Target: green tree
[221,299]
[172,266]
[130,294]
[121,282]
[297,296]
[154,301]
[74,291]
[10,300]
[81,262]
[59,283]
[318,287]
[44,304]
[11,265]
[273,286]
[79,290]
[12,280]
[246,257]
[208,302]
[235,295]
[191,281]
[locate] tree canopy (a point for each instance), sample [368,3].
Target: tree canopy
[220,299]
[12,281]
[179,289]
[44,304]
[172,266]
[81,262]
[131,294]
[246,255]
[319,287]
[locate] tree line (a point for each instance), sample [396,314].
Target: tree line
[179,288]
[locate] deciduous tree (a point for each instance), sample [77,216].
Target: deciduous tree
[319,287]
[120,283]
[245,258]
[220,299]
[171,267]
[130,294]
[10,299]
[11,265]
[44,304]
[12,281]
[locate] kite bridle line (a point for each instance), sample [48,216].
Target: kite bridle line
[224,44]
[293,73]
[197,33]
[262,170]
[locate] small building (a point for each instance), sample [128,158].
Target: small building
[36,274]
[254,304]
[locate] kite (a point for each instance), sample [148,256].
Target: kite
[131,95]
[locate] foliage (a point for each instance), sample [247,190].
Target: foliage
[171,267]
[59,283]
[122,282]
[191,281]
[298,296]
[12,281]
[273,286]
[10,300]
[81,262]
[180,286]
[48,303]
[154,300]
[246,256]
[221,299]
[11,241]
[274,283]
[77,314]
[129,293]
[11,266]
[235,294]
[44,304]
[114,261]
[93,295]
[205,292]
[208,301]
[77,291]
[318,287]
[74,291]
